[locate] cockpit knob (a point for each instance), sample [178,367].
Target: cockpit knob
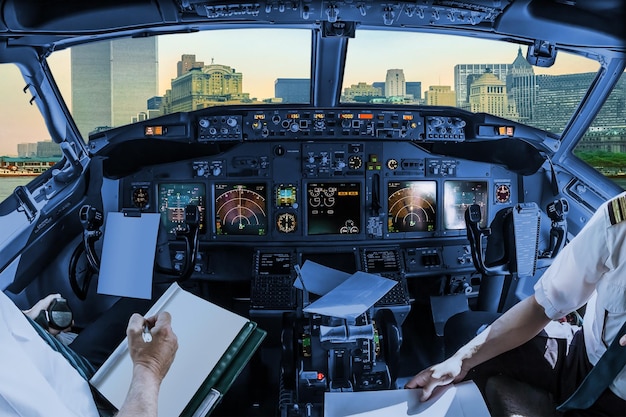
[231,121]
[311,159]
[216,171]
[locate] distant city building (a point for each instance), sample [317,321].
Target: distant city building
[462,79]
[379,84]
[293,90]
[395,84]
[557,98]
[604,139]
[187,63]
[154,107]
[210,85]
[440,95]
[48,149]
[106,87]
[414,88]
[361,92]
[521,87]
[154,103]
[488,95]
[26,150]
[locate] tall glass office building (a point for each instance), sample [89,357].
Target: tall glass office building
[97,104]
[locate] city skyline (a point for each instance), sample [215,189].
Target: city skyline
[421,60]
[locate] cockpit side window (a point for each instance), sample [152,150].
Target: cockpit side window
[26,150]
[603,146]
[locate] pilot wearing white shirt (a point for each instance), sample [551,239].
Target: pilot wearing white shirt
[35,380]
[590,270]
[594,261]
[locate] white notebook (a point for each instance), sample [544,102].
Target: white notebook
[204,330]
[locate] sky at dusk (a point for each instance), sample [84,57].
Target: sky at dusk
[264,55]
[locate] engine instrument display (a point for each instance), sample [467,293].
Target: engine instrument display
[458,195]
[173,198]
[333,208]
[412,206]
[240,209]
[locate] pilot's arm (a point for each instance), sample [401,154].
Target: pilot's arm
[151,361]
[515,327]
[42,305]
[565,286]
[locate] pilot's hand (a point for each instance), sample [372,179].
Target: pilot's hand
[157,355]
[622,340]
[43,305]
[444,373]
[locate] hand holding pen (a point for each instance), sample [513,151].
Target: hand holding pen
[152,343]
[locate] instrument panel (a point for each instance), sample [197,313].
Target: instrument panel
[318,175]
[286,203]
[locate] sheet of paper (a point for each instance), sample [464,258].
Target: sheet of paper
[319,279]
[459,400]
[352,297]
[128,251]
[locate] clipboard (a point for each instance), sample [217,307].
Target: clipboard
[214,345]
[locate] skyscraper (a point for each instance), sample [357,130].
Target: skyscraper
[395,84]
[414,88]
[293,90]
[521,87]
[111,81]
[488,95]
[463,75]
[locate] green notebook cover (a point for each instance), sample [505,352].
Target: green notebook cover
[225,372]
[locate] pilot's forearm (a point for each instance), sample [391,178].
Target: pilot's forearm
[515,327]
[143,394]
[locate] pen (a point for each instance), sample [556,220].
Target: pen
[147,336]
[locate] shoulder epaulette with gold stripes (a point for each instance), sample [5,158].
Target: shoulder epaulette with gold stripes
[617,209]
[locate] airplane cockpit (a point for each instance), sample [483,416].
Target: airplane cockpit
[459,187]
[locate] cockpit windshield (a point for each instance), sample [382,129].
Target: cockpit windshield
[477,75]
[153,76]
[118,82]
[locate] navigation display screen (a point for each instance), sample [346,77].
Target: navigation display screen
[173,198]
[333,208]
[412,206]
[458,196]
[240,209]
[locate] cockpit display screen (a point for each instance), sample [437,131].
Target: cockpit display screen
[458,195]
[412,206]
[333,208]
[241,209]
[379,261]
[174,198]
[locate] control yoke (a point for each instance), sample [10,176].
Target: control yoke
[475,235]
[512,240]
[557,212]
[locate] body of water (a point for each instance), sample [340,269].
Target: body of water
[8,184]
